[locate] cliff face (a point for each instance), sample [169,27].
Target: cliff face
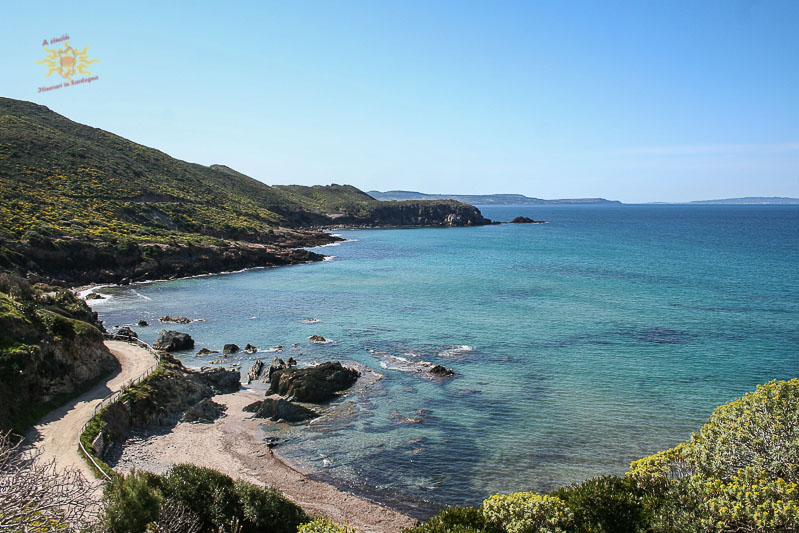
[420,213]
[47,355]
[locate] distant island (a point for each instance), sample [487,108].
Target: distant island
[485,199]
[751,200]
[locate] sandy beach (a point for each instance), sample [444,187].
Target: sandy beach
[233,445]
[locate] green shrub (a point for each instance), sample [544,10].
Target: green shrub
[207,493]
[606,504]
[528,512]
[265,509]
[131,503]
[455,520]
[323,525]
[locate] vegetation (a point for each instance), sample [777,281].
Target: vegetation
[203,499]
[739,473]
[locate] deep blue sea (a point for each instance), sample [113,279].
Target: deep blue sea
[579,345]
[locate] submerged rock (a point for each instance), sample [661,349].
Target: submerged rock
[143,323]
[250,349]
[230,348]
[206,351]
[315,384]
[318,339]
[172,341]
[280,409]
[525,220]
[125,331]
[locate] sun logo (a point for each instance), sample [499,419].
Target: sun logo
[67,61]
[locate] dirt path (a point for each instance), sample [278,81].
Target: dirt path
[56,435]
[233,444]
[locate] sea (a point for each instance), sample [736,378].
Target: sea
[606,334]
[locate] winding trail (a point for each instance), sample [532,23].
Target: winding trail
[56,434]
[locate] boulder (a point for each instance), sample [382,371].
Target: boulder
[318,339]
[250,349]
[291,362]
[441,371]
[230,348]
[172,341]
[143,323]
[203,411]
[255,371]
[221,380]
[206,351]
[316,384]
[95,296]
[125,331]
[280,409]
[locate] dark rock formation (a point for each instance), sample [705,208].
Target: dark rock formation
[291,362]
[204,411]
[318,339]
[220,380]
[206,351]
[277,364]
[280,409]
[125,331]
[525,220]
[315,384]
[143,323]
[230,348]
[95,296]
[173,341]
[441,371]
[255,371]
[250,349]
[175,319]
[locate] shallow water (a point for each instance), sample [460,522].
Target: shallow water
[579,345]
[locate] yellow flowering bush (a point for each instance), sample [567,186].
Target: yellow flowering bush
[527,512]
[323,525]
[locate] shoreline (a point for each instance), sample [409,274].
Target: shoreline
[234,445]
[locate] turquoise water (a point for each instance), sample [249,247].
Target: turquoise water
[579,345]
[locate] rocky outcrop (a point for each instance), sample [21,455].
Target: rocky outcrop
[277,364]
[525,220]
[220,380]
[441,371]
[250,349]
[203,411]
[316,384]
[206,351]
[318,339]
[230,348]
[415,213]
[173,341]
[142,323]
[280,409]
[175,319]
[254,373]
[125,331]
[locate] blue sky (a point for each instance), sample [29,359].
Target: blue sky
[636,101]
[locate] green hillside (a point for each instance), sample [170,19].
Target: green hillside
[79,204]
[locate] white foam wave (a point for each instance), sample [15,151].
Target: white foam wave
[455,351]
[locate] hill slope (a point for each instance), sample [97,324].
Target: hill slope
[79,204]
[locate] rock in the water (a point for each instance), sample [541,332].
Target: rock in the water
[255,371]
[441,371]
[318,339]
[280,409]
[525,220]
[206,351]
[175,319]
[125,331]
[94,296]
[172,341]
[315,384]
[277,364]
[291,362]
[221,380]
[143,323]
[250,349]
[230,348]
[204,411]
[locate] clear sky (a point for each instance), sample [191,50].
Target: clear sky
[637,101]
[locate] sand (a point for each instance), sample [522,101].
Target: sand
[233,445]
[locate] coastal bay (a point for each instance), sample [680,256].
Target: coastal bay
[578,345]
